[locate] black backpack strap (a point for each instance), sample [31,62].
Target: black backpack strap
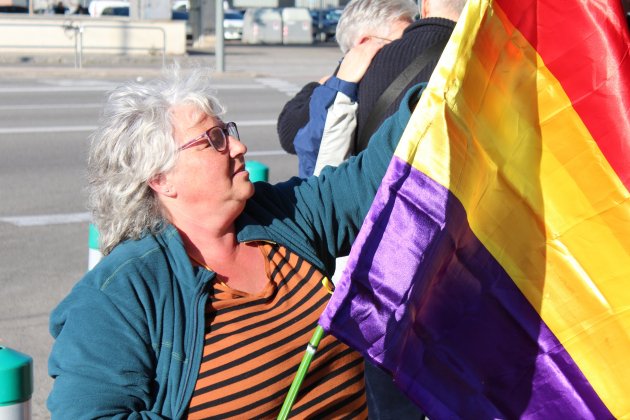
[398,85]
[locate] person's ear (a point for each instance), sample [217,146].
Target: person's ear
[425,9]
[363,39]
[160,184]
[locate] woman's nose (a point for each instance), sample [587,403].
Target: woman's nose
[237,147]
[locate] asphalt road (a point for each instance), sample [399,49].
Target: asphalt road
[47,111]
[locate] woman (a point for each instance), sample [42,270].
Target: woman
[210,288]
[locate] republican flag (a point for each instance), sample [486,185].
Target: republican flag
[491,277]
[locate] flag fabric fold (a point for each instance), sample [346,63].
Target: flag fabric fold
[490,277]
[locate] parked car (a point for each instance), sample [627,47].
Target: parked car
[181,6]
[184,5]
[325,23]
[232,24]
[13,9]
[232,20]
[183,15]
[96,7]
[116,11]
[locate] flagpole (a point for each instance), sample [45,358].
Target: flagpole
[311,348]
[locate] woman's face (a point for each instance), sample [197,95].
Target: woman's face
[205,180]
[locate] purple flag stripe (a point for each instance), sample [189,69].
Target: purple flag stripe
[445,318]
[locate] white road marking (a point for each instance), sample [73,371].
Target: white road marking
[266,153]
[256,123]
[47,219]
[283,86]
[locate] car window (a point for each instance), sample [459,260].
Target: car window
[115,11]
[181,5]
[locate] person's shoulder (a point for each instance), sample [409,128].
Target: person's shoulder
[131,262]
[135,273]
[428,24]
[422,31]
[420,35]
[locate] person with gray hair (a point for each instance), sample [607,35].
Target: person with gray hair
[134,144]
[361,20]
[433,29]
[210,286]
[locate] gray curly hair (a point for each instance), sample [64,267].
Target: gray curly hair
[133,144]
[372,17]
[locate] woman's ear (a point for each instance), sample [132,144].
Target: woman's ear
[160,184]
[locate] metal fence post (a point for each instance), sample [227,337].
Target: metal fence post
[80,37]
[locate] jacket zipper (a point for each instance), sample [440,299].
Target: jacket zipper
[180,404]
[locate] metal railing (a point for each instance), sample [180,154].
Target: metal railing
[78,30]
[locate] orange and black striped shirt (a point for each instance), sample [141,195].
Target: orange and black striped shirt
[254,344]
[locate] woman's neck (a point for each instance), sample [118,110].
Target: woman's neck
[239,265]
[209,246]
[210,241]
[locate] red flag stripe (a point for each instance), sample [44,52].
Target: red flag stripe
[599,89]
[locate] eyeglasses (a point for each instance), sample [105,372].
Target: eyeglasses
[380,38]
[215,136]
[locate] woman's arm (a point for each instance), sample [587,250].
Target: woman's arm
[321,216]
[102,361]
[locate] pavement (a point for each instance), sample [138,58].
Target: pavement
[292,62]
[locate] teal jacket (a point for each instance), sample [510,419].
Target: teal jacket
[129,336]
